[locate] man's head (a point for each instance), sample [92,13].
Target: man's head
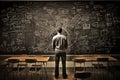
[59,30]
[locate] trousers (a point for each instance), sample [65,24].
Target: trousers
[57,60]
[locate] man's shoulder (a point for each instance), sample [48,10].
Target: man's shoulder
[63,36]
[55,37]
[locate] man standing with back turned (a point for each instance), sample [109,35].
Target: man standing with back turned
[60,44]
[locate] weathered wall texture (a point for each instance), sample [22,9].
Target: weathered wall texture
[91,27]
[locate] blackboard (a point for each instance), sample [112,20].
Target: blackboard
[28,27]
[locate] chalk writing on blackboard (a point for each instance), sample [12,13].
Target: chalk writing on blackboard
[89,27]
[86,26]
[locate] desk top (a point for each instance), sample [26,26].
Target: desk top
[94,57]
[22,59]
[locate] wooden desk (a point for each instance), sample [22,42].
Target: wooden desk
[94,58]
[41,59]
[22,59]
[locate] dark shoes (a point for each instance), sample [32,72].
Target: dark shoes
[56,76]
[65,76]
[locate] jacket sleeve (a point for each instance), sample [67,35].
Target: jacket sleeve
[66,44]
[53,43]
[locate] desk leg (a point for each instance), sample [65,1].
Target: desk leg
[74,67]
[45,66]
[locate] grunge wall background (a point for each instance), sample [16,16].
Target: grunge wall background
[28,27]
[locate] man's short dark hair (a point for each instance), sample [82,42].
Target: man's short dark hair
[59,30]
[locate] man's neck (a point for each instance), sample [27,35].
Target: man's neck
[58,33]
